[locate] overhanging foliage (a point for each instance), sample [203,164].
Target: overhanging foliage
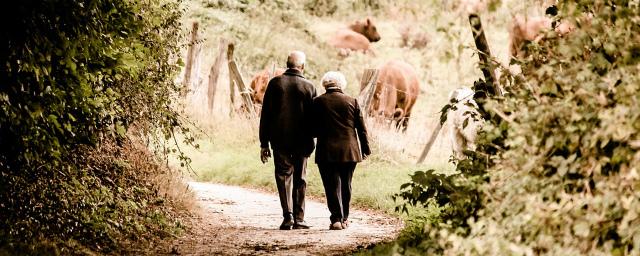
[78,76]
[562,175]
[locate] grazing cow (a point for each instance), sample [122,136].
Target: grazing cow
[397,89]
[260,81]
[356,37]
[464,121]
[523,30]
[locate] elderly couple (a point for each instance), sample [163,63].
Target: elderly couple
[291,117]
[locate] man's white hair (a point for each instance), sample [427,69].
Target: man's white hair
[334,78]
[296,59]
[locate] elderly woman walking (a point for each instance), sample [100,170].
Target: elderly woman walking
[339,127]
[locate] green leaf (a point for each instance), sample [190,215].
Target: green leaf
[120,130]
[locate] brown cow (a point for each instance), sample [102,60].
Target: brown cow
[357,37]
[523,30]
[260,81]
[396,92]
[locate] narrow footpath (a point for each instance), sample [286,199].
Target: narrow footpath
[239,221]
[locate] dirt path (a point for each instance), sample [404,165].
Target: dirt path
[238,221]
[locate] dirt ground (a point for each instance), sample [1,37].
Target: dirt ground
[239,221]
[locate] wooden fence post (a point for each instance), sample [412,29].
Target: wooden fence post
[236,77]
[195,70]
[190,55]
[214,73]
[486,66]
[432,139]
[232,86]
[484,54]
[368,83]
[245,93]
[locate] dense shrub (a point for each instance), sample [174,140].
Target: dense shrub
[564,181]
[76,77]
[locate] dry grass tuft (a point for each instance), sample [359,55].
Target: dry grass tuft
[410,38]
[167,183]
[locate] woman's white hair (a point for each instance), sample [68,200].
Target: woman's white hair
[334,79]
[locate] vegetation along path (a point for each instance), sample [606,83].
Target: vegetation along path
[239,221]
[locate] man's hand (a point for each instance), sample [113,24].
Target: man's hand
[265,153]
[364,157]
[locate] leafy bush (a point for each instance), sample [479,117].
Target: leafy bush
[77,77]
[564,179]
[458,196]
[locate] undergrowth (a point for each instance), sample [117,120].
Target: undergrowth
[83,83]
[556,168]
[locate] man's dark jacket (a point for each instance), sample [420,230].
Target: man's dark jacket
[338,125]
[285,121]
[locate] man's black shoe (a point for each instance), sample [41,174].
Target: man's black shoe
[301,225]
[287,223]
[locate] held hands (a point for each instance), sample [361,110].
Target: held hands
[265,153]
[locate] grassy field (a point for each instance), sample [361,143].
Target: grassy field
[265,33]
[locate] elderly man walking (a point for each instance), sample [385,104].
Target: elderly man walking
[285,126]
[342,143]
